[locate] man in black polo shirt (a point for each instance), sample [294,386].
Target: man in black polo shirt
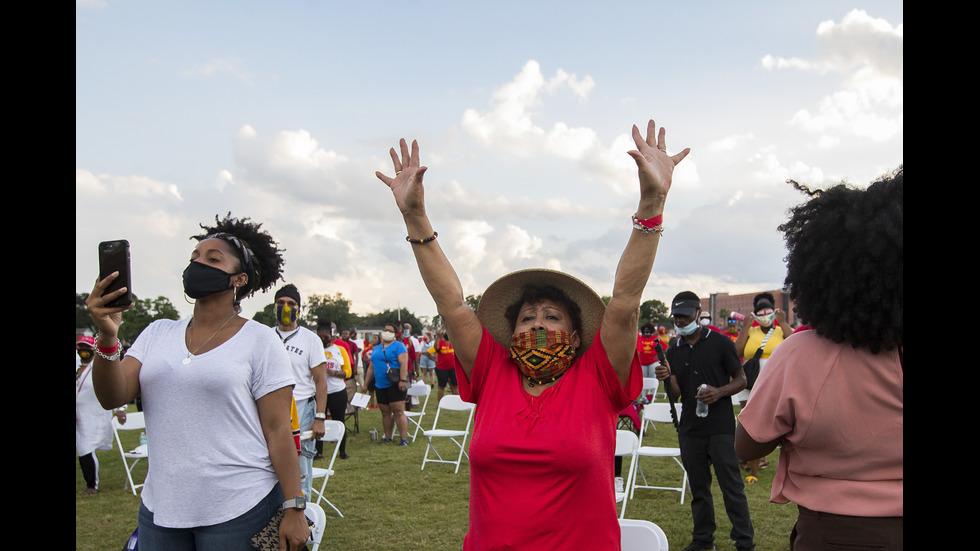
[700,356]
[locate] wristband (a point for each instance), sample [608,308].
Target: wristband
[320,416]
[110,354]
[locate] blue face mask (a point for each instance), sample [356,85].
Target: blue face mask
[688,329]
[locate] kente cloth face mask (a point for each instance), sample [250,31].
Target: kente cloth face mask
[542,356]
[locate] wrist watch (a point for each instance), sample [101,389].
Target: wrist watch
[320,416]
[298,502]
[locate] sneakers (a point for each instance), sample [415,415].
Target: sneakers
[699,546]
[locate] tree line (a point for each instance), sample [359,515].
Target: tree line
[335,308]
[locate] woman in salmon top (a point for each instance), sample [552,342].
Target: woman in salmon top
[833,396]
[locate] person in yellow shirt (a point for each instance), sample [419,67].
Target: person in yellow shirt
[765,328]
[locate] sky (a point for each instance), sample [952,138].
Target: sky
[283,111]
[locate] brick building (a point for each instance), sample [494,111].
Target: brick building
[719,305]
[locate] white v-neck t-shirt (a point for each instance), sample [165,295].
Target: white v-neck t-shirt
[208,458]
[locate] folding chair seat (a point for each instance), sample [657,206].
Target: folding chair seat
[452,403]
[418,390]
[657,413]
[333,432]
[641,535]
[626,444]
[134,421]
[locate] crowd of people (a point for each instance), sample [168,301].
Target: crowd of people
[545,360]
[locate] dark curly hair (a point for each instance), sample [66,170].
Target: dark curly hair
[845,262]
[266,256]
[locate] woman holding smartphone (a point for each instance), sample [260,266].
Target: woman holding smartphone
[216,392]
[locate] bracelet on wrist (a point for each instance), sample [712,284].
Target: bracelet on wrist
[649,225]
[109,353]
[423,240]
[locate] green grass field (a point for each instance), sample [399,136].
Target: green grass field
[389,503]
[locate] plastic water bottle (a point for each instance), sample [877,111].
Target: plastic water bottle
[142,439]
[702,409]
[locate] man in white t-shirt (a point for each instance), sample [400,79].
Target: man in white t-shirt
[307,357]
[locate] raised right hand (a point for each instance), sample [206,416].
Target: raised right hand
[406,186]
[106,319]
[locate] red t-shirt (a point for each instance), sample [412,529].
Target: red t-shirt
[445,355]
[541,467]
[646,348]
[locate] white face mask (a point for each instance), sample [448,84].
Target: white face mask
[705,322]
[387,336]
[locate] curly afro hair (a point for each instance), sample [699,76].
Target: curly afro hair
[845,262]
[266,255]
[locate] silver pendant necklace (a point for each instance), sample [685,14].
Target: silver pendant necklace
[187,360]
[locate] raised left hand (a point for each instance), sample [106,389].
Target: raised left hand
[406,185]
[655,166]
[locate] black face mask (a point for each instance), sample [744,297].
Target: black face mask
[201,280]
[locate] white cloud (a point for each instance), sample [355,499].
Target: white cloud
[509,124]
[868,52]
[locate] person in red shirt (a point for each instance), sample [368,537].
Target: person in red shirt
[445,365]
[552,363]
[731,330]
[647,343]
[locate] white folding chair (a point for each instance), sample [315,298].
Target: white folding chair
[134,421]
[315,513]
[333,432]
[449,402]
[419,389]
[641,535]
[656,413]
[650,386]
[626,444]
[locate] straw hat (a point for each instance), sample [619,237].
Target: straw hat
[508,289]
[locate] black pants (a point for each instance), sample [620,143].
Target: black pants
[699,454]
[337,408]
[90,469]
[815,530]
